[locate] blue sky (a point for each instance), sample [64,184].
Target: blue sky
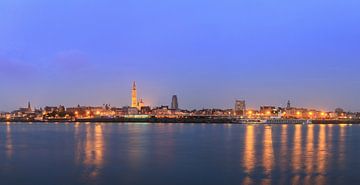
[207,52]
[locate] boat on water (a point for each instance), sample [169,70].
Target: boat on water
[288,121]
[250,121]
[274,121]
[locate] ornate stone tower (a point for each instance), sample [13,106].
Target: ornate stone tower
[134,102]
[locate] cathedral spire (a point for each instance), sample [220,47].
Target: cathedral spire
[134,85]
[134,102]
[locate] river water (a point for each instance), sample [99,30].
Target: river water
[180,154]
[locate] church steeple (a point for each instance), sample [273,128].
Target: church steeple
[134,102]
[288,106]
[29,106]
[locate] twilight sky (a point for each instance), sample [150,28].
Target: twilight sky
[207,52]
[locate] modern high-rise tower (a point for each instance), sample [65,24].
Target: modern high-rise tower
[174,103]
[240,107]
[134,102]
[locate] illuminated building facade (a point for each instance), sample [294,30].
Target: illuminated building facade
[134,102]
[268,111]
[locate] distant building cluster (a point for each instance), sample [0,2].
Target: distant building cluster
[138,109]
[289,112]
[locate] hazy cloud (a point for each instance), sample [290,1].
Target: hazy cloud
[71,61]
[14,69]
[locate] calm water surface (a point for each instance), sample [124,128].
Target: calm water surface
[156,154]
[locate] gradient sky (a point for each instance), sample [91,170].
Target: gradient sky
[207,52]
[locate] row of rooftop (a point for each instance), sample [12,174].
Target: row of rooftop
[108,111]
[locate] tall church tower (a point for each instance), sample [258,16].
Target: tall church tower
[29,107]
[134,102]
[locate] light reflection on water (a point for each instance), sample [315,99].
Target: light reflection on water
[109,153]
[89,150]
[297,154]
[8,145]
[249,151]
[268,155]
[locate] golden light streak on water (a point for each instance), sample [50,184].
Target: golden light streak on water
[268,155]
[94,149]
[297,155]
[89,151]
[266,182]
[341,145]
[321,156]
[329,135]
[249,149]
[78,144]
[247,181]
[284,162]
[8,143]
[309,155]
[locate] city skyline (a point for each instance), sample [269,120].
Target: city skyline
[136,102]
[70,53]
[179,92]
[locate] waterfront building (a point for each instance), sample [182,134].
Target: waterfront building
[295,113]
[162,110]
[174,103]
[145,110]
[132,111]
[240,108]
[252,113]
[339,111]
[268,111]
[118,111]
[85,111]
[49,109]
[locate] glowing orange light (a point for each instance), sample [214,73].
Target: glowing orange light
[297,113]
